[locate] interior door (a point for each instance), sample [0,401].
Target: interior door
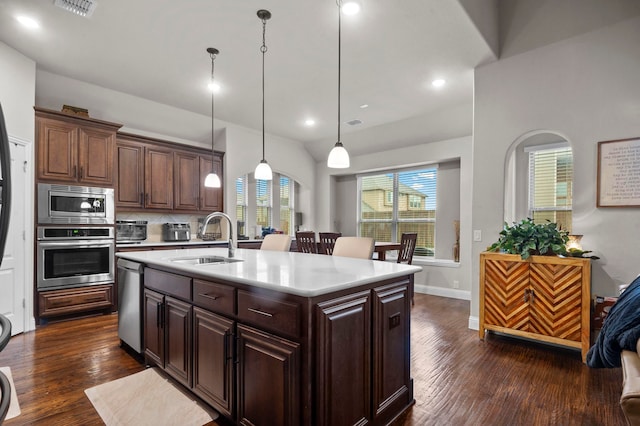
[13,270]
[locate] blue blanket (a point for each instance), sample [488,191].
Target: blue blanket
[620,330]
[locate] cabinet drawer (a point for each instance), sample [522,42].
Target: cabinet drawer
[167,283]
[62,302]
[267,313]
[214,297]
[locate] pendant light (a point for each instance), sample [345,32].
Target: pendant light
[212,180]
[338,157]
[263,170]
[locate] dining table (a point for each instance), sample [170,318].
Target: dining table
[382,247]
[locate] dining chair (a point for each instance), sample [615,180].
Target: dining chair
[306,242]
[357,247]
[276,242]
[327,241]
[405,255]
[407,247]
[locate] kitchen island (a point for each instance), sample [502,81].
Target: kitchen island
[281,338]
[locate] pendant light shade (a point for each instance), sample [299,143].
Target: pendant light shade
[339,157]
[212,180]
[263,170]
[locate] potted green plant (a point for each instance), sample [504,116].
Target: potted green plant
[527,238]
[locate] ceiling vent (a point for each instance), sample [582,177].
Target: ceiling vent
[354,122]
[79,7]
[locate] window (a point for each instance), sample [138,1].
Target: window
[286,206]
[550,185]
[241,203]
[271,205]
[263,203]
[411,207]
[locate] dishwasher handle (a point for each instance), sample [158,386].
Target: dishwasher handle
[130,266]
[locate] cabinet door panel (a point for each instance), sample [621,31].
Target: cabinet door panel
[391,350]
[158,169]
[213,378]
[211,198]
[95,154]
[129,175]
[185,181]
[268,379]
[153,331]
[557,300]
[506,283]
[178,340]
[57,150]
[344,360]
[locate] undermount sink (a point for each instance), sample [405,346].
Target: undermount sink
[204,260]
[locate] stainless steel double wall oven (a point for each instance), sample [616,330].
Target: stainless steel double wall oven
[75,236]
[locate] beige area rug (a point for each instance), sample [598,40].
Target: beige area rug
[146,398]
[14,407]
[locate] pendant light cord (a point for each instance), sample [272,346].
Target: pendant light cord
[263,49]
[339,2]
[212,53]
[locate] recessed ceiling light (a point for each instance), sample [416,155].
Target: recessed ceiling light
[363,106]
[214,87]
[350,7]
[28,22]
[438,82]
[309,122]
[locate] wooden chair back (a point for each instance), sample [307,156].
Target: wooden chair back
[327,241]
[306,242]
[357,247]
[276,242]
[407,247]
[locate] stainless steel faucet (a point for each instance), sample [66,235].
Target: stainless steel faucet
[232,247]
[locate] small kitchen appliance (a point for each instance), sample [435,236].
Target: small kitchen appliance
[131,231]
[176,232]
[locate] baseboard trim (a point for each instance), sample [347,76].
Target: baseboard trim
[451,293]
[474,323]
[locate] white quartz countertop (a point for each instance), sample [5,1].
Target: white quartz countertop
[302,274]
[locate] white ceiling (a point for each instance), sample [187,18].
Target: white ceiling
[156,49]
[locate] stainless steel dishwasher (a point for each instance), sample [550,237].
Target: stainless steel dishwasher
[130,289]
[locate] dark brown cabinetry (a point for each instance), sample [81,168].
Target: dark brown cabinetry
[271,358]
[213,343]
[152,174]
[73,149]
[267,362]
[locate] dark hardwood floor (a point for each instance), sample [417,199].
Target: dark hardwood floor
[458,379]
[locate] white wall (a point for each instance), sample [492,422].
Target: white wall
[17,92]
[336,193]
[585,88]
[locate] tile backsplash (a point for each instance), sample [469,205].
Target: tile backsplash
[156,220]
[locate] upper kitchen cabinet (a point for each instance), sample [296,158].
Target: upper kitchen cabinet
[153,174]
[211,198]
[74,149]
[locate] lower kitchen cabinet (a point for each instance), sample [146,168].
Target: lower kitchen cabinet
[167,335]
[268,379]
[213,378]
[60,303]
[344,355]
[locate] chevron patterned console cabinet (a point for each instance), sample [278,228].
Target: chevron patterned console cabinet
[545,298]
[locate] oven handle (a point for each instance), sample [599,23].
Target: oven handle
[77,243]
